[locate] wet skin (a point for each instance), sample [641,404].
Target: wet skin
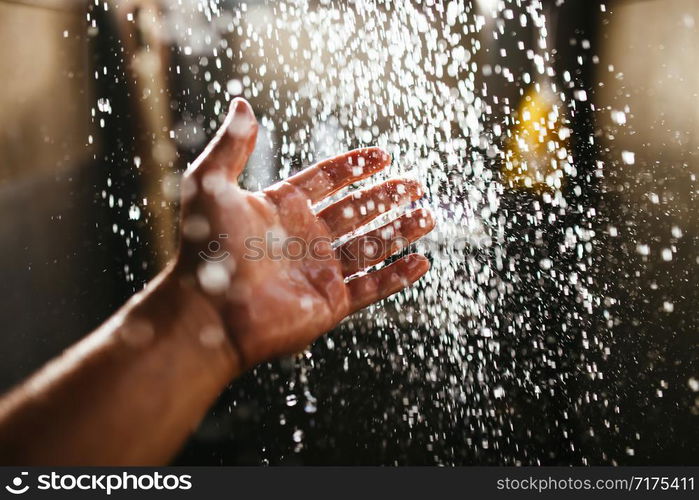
[133,390]
[275,305]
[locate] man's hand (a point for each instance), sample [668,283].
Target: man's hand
[266,260]
[132,391]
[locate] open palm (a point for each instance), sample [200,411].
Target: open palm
[266,259]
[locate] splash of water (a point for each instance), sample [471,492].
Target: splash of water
[483,338]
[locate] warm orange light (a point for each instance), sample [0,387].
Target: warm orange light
[537,144]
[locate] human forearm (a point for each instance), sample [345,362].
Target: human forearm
[130,392]
[133,390]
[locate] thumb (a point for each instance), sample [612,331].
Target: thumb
[230,149]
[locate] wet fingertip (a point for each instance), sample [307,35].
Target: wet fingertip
[415,187]
[239,105]
[381,153]
[241,121]
[422,217]
[406,187]
[240,111]
[381,158]
[416,265]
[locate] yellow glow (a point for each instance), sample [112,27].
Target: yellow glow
[536,148]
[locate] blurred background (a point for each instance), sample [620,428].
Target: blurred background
[103,104]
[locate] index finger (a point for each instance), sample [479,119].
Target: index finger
[331,175]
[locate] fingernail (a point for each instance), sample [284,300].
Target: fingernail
[242,121]
[240,107]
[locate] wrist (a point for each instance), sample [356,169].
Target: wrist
[187,317]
